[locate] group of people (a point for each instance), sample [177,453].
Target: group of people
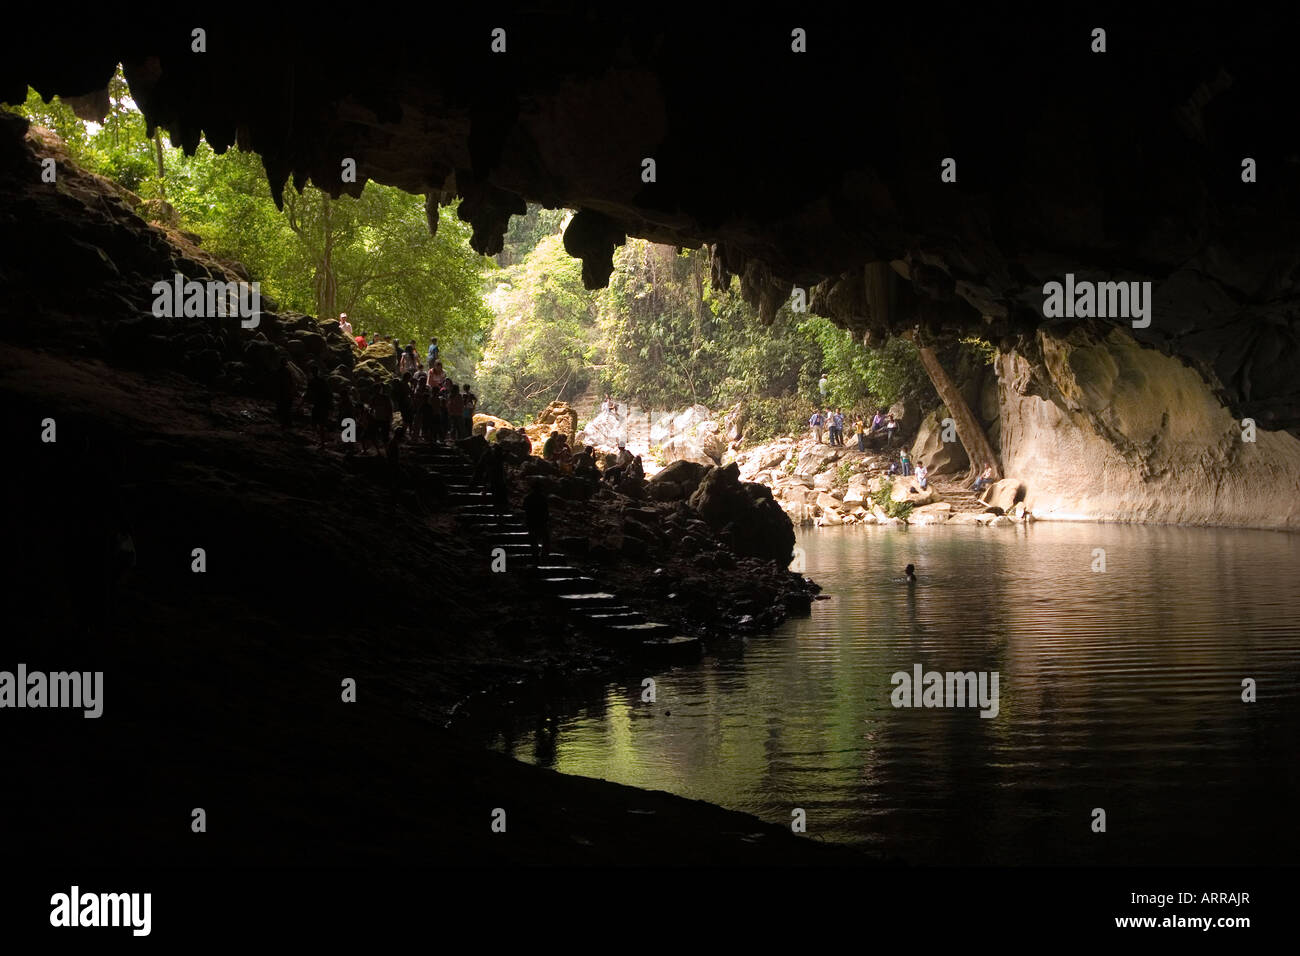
[902,465]
[422,402]
[408,359]
[833,424]
[624,467]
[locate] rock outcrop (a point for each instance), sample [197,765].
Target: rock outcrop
[941,457]
[744,514]
[1104,429]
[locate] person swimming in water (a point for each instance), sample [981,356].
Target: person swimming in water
[909,575]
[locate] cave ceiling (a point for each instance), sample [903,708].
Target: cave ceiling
[818,169]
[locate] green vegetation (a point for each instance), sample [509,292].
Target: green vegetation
[885,498]
[371,257]
[522,328]
[660,337]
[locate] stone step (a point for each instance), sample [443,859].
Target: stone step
[644,630]
[571,585]
[602,618]
[487,529]
[506,539]
[588,599]
[670,650]
[560,571]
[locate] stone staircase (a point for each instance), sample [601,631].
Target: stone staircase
[579,597]
[959,496]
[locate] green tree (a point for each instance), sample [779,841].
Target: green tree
[544,344]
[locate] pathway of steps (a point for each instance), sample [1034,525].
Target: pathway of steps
[959,496]
[580,597]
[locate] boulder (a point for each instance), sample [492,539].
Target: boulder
[1004,495]
[382,354]
[755,523]
[763,458]
[907,414]
[604,431]
[941,457]
[682,423]
[687,475]
[858,490]
[937,507]
[733,422]
[537,434]
[559,415]
[481,422]
[684,448]
[708,435]
[813,458]
[827,500]
[927,517]
[906,489]
[824,481]
[514,443]
[665,491]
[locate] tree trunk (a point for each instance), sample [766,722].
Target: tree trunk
[326,283]
[969,431]
[157,141]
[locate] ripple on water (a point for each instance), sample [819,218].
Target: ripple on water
[1119,690]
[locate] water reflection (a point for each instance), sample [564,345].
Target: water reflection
[1119,690]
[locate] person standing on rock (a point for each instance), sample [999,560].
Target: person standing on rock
[904,463]
[815,423]
[860,433]
[838,421]
[922,474]
[345,325]
[406,365]
[455,410]
[537,519]
[432,355]
[436,376]
[469,402]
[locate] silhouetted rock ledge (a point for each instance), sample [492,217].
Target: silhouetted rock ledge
[222,688]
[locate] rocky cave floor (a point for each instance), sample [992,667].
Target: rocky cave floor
[222,689]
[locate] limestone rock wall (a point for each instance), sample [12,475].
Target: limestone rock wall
[1102,428]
